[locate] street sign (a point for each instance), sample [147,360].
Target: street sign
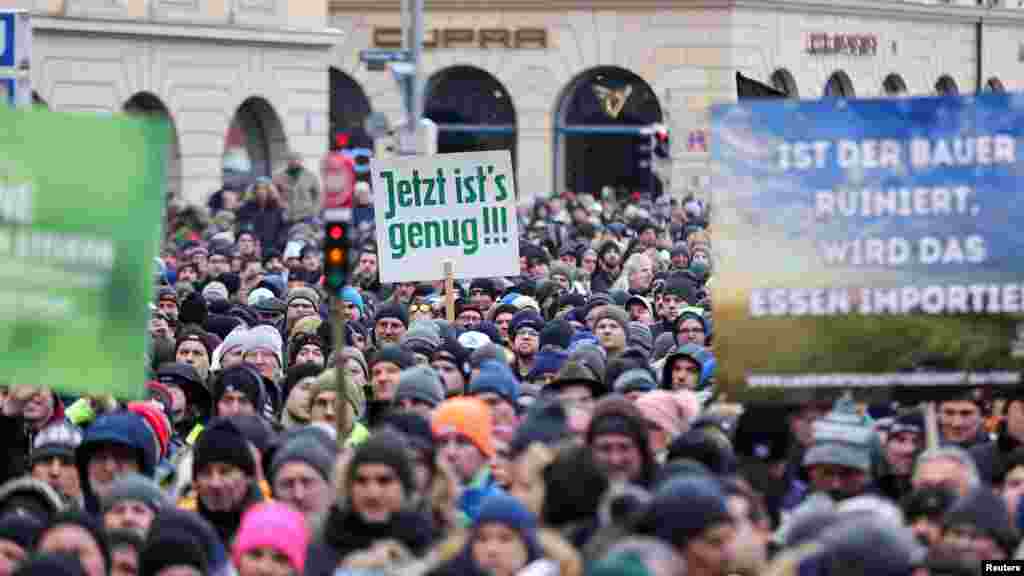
[15,39]
[376,124]
[379,58]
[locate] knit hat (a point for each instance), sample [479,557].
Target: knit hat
[866,544]
[617,415]
[158,422]
[351,353]
[86,522]
[663,344]
[392,310]
[169,546]
[304,293]
[352,296]
[931,502]
[469,417]
[615,313]
[592,357]
[393,354]
[670,411]
[56,440]
[215,291]
[576,374]
[634,380]
[547,362]
[758,435]
[223,442]
[26,496]
[500,508]
[420,383]
[841,438]
[626,563]
[474,340]
[497,378]
[255,429]
[387,448]
[525,318]
[22,530]
[242,378]
[412,427]
[134,487]
[546,422]
[258,295]
[161,394]
[684,507]
[707,445]
[265,337]
[273,525]
[423,337]
[122,428]
[560,269]
[51,564]
[353,394]
[556,333]
[639,334]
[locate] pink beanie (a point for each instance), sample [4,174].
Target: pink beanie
[670,411]
[273,525]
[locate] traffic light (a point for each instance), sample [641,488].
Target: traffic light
[336,245]
[662,145]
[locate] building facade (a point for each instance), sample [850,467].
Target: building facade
[242,82]
[567,83]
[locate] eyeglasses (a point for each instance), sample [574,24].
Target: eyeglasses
[528,332]
[417,308]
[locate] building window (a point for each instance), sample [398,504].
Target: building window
[946,86]
[784,82]
[893,85]
[839,85]
[994,85]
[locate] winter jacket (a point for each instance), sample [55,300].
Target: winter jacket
[226,523]
[990,457]
[123,428]
[302,194]
[266,223]
[345,532]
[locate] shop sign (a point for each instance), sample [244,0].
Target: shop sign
[843,44]
[436,38]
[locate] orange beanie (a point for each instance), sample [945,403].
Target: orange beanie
[468,416]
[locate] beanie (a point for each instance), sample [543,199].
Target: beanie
[669,411]
[616,313]
[51,564]
[684,507]
[841,438]
[352,296]
[497,378]
[172,547]
[501,508]
[547,362]
[258,295]
[22,530]
[304,293]
[393,354]
[420,383]
[466,416]
[223,442]
[412,426]
[242,378]
[215,291]
[557,333]
[639,334]
[56,440]
[525,318]
[634,380]
[273,525]
[387,448]
[392,310]
[86,522]
[546,422]
[265,337]
[134,488]
[423,337]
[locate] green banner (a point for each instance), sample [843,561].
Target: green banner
[81,199]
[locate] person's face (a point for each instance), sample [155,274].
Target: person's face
[801,424]
[353,312]
[233,403]
[942,472]
[264,561]
[451,376]
[415,405]
[406,291]
[503,416]
[481,298]
[124,561]
[648,237]
[710,553]
[975,544]
[527,341]
[468,318]
[589,262]
[577,397]
[221,486]
[928,531]
[462,455]
[108,463]
[611,258]
[354,371]
[640,279]
[293,264]
[200,260]
[377,493]
[219,264]
[39,407]
[78,542]
[671,305]
[301,486]
[389,330]
[680,260]
[169,307]
[194,354]
[368,263]
[900,450]
[502,321]
[639,312]
[158,328]
[562,281]
[11,556]
[685,374]
[187,274]
[526,485]
[310,353]
[323,409]
[262,192]
[298,397]
[179,571]
[385,380]
[1013,487]
[610,334]
[700,256]
[838,481]
[691,331]
[311,261]
[179,403]
[750,550]
[129,515]
[619,456]
[60,473]
[274,265]
[959,420]
[300,308]
[499,550]
[264,360]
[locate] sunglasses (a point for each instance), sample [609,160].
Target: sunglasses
[425,308]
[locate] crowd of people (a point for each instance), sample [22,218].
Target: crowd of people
[567,422]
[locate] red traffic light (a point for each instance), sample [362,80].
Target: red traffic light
[661,135]
[336,232]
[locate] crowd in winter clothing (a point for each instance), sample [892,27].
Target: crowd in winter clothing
[566,422]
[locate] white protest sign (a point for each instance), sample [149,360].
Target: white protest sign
[432,208]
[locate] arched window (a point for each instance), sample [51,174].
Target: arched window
[255,144]
[784,82]
[839,85]
[148,104]
[893,85]
[349,108]
[946,86]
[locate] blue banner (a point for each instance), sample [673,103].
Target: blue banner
[849,222]
[7,31]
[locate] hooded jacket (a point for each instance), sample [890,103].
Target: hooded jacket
[345,532]
[18,438]
[122,428]
[619,407]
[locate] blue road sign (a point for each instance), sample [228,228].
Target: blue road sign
[377,58]
[8,21]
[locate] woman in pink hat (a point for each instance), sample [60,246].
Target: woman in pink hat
[271,541]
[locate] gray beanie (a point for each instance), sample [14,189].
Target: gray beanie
[138,488]
[640,335]
[420,383]
[423,337]
[841,438]
[307,449]
[635,380]
[616,313]
[663,344]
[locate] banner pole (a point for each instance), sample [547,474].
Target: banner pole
[341,398]
[931,426]
[449,290]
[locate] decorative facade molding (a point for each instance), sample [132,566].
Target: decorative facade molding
[323,38]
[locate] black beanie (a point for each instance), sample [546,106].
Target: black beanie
[85,522]
[556,333]
[392,310]
[171,548]
[393,354]
[243,378]
[546,422]
[223,442]
[22,530]
[387,448]
[51,564]
[193,310]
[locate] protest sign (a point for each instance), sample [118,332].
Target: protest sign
[80,205]
[460,207]
[868,245]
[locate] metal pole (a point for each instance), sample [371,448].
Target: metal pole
[417,51]
[341,398]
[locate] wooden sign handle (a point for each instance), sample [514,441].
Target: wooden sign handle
[449,290]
